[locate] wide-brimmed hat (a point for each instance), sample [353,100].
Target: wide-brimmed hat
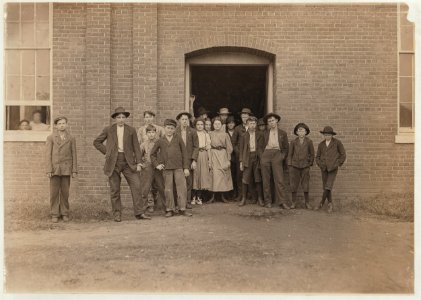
[202,111]
[120,110]
[184,113]
[328,130]
[301,125]
[246,111]
[170,122]
[269,115]
[224,111]
[261,122]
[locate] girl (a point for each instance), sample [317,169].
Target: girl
[208,125]
[220,157]
[230,130]
[202,179]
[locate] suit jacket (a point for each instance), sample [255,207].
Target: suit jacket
[233,154]
[301,155]
[130,145]
[192,143]
[332,157]
[61,155]
[245,147]
[172,154]
[239,131]
[282,139]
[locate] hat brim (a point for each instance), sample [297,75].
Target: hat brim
[302,125]
[225,113]
[276,116]
[127,114]
[182,114]
[326,132]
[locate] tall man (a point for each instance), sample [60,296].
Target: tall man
[191,142]
[122,155]
[274,154]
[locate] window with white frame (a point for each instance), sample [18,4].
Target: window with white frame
[27,68]
[406,71]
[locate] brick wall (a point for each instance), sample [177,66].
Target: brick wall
[334,65]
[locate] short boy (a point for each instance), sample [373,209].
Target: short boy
[149,176]
[174,164]
[300,159]
[251,149]
[61,164]
[330,156]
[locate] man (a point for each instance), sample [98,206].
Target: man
[239,132]
[122,155]
[202,113]
[190,140]
[149,118]
[274,154]
[223,114]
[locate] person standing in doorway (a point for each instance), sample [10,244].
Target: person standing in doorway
[223,114]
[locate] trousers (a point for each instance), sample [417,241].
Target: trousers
[170,177]
[271,163]
[59,195]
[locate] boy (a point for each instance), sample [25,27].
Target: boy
[251,149]
[61,164]
[149,118]
[175,166]
[150,176]
[261,124]
[300,159]
[330,156]
[122,155]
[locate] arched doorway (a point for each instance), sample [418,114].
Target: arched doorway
[229,77]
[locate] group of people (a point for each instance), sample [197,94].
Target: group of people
[35,124]
[189,158]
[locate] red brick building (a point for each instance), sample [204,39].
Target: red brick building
[348,66]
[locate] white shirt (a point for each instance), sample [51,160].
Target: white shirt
[273,142]
[252,141]
[327,143]
[120,135]
[39,126]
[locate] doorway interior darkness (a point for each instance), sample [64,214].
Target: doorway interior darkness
[231,86]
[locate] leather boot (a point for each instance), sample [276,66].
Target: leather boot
[223,198]
[322,202]
[212,199]
[259,194]
[244,196]
[293,199]
[307,201]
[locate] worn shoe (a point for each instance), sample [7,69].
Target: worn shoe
[199,201]
[319,206]
[188,205]
[284,206]
[292,206]
[268,205]
[308,206]
[224,199]
[260,201]
[194,201]
[243,202]
[211,200]
[185,213]
[65,219]
[54,219]
[168,214]
[150,209]
[329,207]
[117,218]
[142,217]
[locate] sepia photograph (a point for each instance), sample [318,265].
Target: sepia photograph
[209,148]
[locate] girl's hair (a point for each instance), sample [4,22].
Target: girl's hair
[199,120]
[216,119]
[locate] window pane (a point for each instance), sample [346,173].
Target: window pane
[405,115]
[12,117]
[43,87]
[27,10]
[12,88]
[405,90]
[13,62]
[12,34]
[12,10]
[42,11]
[28,39]
[28,87]
[407,38]
[42,35]
[28,62]
[43,62]
[405,64]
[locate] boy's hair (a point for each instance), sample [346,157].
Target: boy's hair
[199,120]
[150,128]
[216,119]
[148,112]
[251,119]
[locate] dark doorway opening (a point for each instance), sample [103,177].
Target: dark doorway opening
[234,87]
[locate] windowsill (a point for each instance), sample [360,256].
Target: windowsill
[405,138]
[25,136]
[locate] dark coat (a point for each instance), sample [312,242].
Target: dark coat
[301,155]
[130,145]
[332,157]
[192,143]
[282,139]
[239,131]
[172,154]
[61,155]
[245,147]
[233,154]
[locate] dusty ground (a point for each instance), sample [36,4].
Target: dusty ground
[222,248]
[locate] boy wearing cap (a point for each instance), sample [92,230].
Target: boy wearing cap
[274,154]
[300,159]
[251,148]
[149,118]
[61,162]
[122,155]
[174,164]
[330,156]
[261,125]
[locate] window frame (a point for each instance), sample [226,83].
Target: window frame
[30,136]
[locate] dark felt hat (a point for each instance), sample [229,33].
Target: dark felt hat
[230,119]
[59,118]
[269,115]
[120,110]
[246,111]
[202,111]
[224,111]
[261,122]
[170,122]
[183,113]
[328,130]
[301,125]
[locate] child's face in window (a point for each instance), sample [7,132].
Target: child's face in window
[199,125]
[24,126]
[231,125]
[37,118]
[151,134]
[169,130]
[149,119]
[208,125]
[327,136]
[217,125]
[61,125]
[121,119]
[301,132]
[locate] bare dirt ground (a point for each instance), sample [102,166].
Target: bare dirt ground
[221,249]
